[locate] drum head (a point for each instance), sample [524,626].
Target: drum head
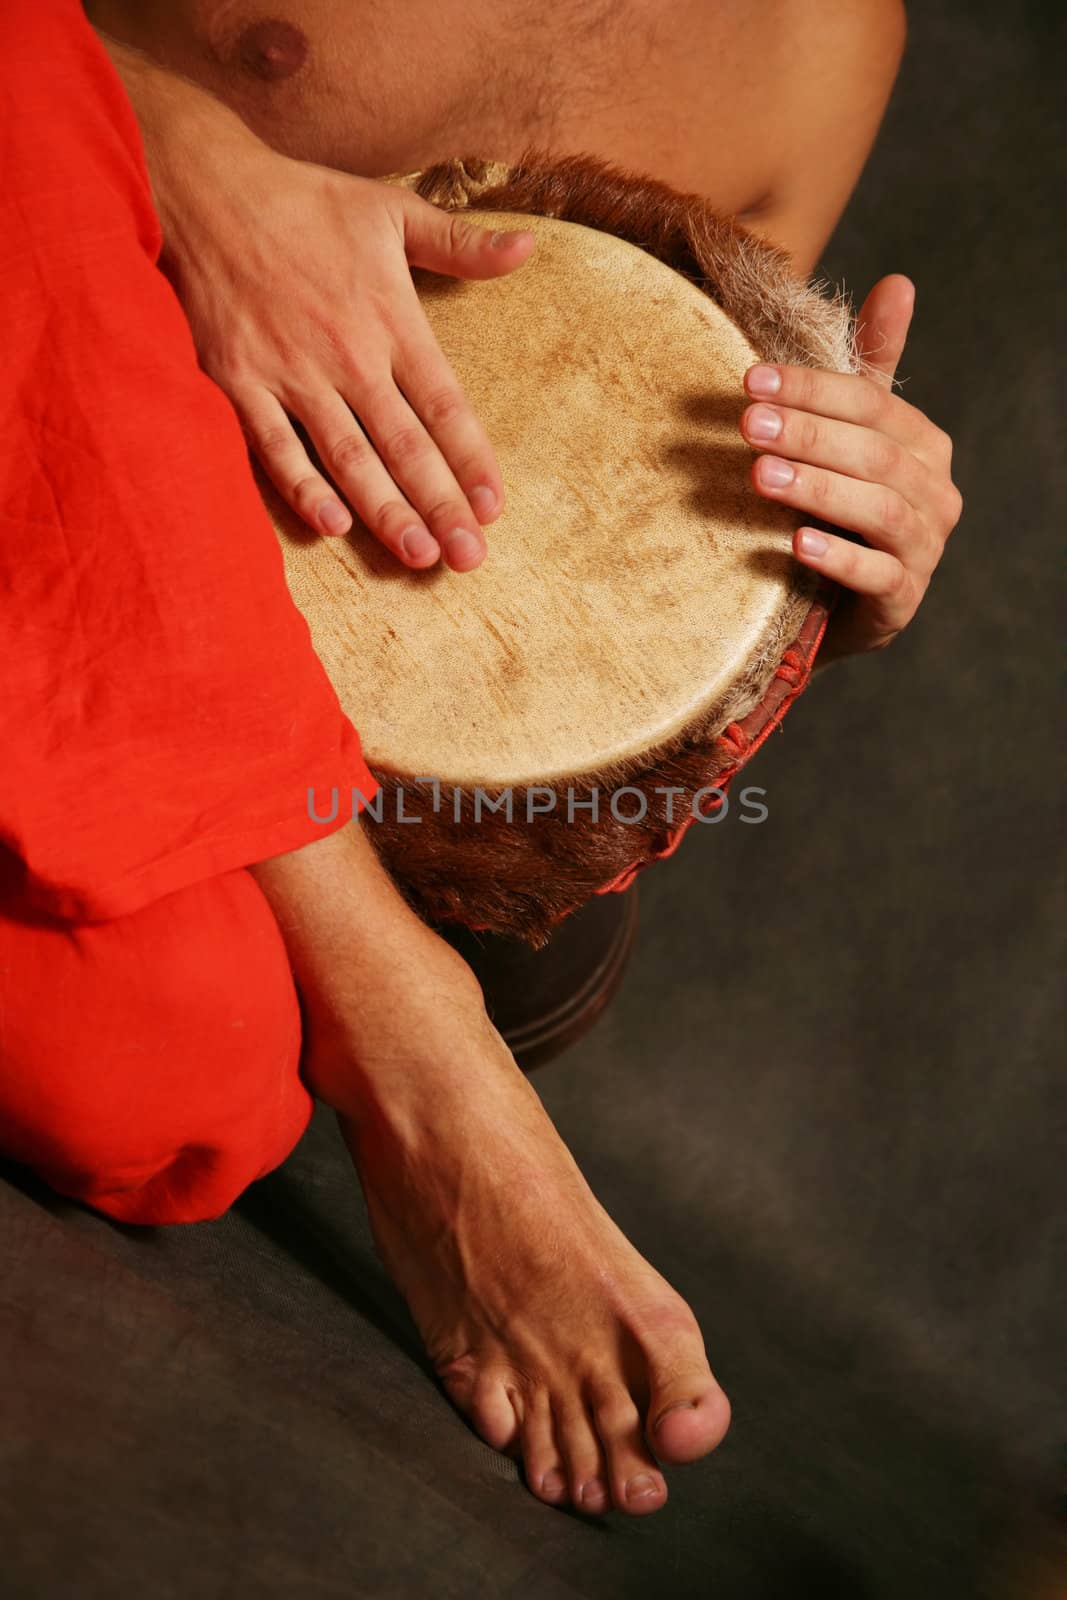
[636,582]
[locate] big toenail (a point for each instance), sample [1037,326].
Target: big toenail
[553,1483]
[591,1494]
[641,1487]
[679,1405]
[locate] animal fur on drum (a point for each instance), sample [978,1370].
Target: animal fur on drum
[784,318]
[518,878]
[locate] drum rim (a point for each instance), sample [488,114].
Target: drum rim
[465,878]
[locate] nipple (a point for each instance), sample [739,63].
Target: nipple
[272,49]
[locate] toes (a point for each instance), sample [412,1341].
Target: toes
[584,1459]
[636,1482]
[688,1413]
[542,1462]
[492,1411]
[592,1496]
[687,1416]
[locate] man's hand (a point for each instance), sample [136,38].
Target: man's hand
[852,453]
[296,282]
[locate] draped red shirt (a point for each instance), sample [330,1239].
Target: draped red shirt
[163,715]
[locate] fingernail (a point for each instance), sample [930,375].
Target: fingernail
[763,423]
[333,517]
[812,543]
[775,474]
[482,500]
[764,381]
[499,240]
[641,1487]
[462,547]
[417,544]
[553,1483]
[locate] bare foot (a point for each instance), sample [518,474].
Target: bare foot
[552,1335]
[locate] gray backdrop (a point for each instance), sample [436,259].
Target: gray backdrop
[828,1103]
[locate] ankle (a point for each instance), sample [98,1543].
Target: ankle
[401,1044]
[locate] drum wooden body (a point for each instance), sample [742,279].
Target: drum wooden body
[640,621]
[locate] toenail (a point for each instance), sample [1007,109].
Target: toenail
[592,1494]
[554,1484]
[679,1405]
[641,1487]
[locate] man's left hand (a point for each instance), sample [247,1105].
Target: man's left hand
[851,452]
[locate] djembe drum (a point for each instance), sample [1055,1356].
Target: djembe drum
[547,725]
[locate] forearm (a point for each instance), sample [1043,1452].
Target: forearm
[364,963]
[184,129]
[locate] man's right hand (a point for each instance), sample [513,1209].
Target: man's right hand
[296,282]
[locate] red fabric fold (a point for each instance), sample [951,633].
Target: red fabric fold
[162,712]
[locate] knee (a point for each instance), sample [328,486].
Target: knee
[150,1066]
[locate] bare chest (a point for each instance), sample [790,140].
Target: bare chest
[656,85]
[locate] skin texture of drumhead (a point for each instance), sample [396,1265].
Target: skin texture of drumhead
[634,575]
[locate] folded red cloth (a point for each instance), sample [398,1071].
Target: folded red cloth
[162,713]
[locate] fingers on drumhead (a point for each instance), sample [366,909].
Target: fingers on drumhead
[447,242]
[275,443]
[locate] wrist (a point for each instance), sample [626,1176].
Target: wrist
[185,131]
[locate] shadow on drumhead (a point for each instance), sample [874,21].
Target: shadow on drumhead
[373,560]
[712,409]
[716,471]
[371,557]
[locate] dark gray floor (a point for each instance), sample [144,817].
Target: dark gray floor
[829,1103]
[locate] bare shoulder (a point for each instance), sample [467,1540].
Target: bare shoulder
[849,50]
[837,64]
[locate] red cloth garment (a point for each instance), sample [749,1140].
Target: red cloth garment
[150,1066]
[162,713]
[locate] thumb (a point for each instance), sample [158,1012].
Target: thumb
[882,326]
[444,241]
